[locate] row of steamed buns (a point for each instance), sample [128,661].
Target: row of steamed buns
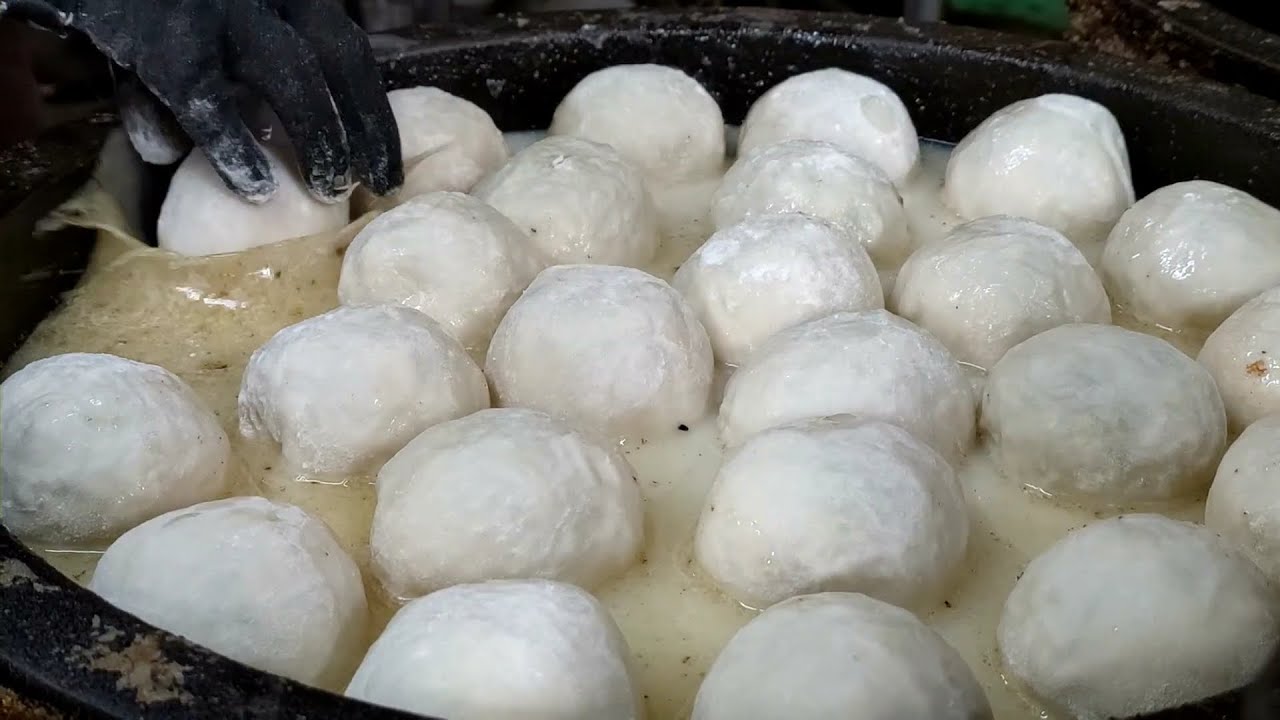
[1183,258]
[790,288]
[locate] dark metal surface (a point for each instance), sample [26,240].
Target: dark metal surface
[1261,14]
[60,645]
[921,11]
[1227,40]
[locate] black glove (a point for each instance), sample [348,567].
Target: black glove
[304,58]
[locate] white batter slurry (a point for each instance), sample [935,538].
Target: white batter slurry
[201,318]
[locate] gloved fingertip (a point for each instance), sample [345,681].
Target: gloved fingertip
[156,147]
[252,181]
[329,186]
[242,165]
[259,192]
[385,175]
[330,196]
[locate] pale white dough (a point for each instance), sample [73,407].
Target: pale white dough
[658,118]
[1244,500]
[1243,355]
[1099,412]
[994,282]
[772,272]
[91,445]
[445,254]
[839,655]
[447,143]
[820,179]
[349,388]
[871,364]
[1189,254]
[201,216]
[504,493]
[833,504]
[858,114]
[261,582]
[612,350]
[508,648]
[578,201]
[1135,614]
[1057,159]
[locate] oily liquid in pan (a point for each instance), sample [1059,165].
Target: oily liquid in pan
[202,317]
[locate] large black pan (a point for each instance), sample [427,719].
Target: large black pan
[1232,41]
[63,648]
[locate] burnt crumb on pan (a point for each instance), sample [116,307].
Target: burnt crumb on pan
[13,572]
[13,706]
[140,666]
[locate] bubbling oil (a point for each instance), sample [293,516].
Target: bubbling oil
[202,317]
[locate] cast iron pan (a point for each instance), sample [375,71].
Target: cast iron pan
[1232,41]
[62,647]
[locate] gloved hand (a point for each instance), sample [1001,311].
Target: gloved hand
[183,60]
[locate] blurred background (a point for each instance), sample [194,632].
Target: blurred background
[46,79]
[1040,16]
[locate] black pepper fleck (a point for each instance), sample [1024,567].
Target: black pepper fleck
[682,427]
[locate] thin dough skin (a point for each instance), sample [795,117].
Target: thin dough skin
[611,350]
[1243,355]
[91,445]
[261,582]
[1059,160]
[839,655]
[447,143]
[872,364]
[819,179]
[1101,413]
[858,114]
[201,216]
[578,201]
[994,282]
[444,254]
[1244,500]
[833,504]
[772,272]
[1190,254]
[348,388]
[504,493]
[1135,614]
[502,649]
[658,118]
